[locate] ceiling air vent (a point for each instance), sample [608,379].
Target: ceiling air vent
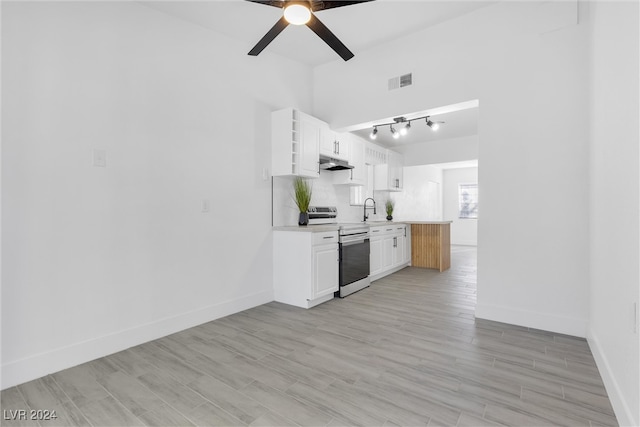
[400,81]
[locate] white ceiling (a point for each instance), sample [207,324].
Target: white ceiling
[360,27]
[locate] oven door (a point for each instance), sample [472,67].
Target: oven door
[354,259]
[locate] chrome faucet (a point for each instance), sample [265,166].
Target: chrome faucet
[365,208]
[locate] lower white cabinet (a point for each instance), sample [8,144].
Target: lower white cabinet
[325,266]
[305,267]
[376,256]
[390,249]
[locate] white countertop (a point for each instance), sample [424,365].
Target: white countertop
[428,222]
[331,227]
[309,228]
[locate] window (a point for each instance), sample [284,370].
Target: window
[468,201]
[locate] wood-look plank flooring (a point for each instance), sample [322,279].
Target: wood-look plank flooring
[405,352]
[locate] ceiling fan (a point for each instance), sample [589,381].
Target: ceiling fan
[302,13]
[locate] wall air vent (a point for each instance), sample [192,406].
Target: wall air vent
[400,81]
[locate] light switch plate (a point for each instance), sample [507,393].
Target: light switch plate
[100,158]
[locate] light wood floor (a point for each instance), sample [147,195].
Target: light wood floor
[406,351]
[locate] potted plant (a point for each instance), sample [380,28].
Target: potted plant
[302,197]
[388,206]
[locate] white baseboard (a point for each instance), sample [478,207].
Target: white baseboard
[39,365]
[620,406]
[533,319]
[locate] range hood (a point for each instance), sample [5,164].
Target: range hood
[331,164]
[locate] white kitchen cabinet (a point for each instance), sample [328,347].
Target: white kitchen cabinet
[376,254]
[305,267]
[334,144]
[389,250]
[374,154]
[357,175]
[407,245]
[325,264]
[295,143]
[389,176]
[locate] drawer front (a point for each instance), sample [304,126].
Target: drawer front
[325,237]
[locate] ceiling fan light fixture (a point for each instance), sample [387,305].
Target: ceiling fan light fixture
[297,14]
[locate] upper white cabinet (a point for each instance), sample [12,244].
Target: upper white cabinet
[374,154]
[389,176]
[295,143]
[357,175]
[334,144]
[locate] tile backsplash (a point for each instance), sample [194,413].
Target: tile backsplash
[324,193]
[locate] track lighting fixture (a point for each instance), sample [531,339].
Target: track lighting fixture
[404,129]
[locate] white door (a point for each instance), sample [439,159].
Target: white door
[325,280]
[388,256]
[376,256]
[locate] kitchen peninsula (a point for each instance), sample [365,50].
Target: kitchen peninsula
[431,244]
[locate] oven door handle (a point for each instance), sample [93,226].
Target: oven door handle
[354,242]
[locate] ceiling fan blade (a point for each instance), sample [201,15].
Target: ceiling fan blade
[274,3]
[268,38]
[322,5]
[329,38]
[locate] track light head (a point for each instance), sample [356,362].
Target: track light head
[374,133]
[432,125]
[405,129]
[394,132]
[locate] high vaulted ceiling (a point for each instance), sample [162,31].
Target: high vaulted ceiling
[360,27]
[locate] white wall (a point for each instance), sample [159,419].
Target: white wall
[421,198]
[99,259]
[463,231]
[526,63]
[615,200]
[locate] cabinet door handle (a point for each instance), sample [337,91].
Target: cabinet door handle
[351,174]
[329,237]
[338,147]
[395,242]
